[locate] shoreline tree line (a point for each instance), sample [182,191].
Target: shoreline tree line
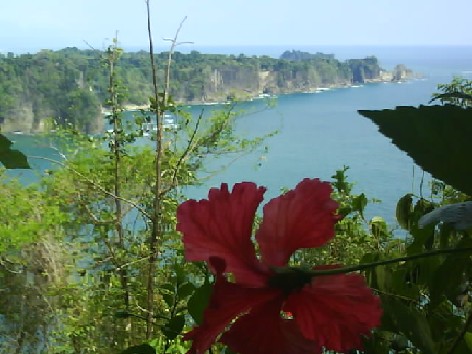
[70,85]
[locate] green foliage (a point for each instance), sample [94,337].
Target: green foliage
[199,301]
[106,186]
[423,299]
[26,215]
[458,92]
[79,247]
[297,55]
[410,321]
[70,85]
[31,264]
[140,349]
[42,85]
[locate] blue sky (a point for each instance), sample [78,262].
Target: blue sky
[30,25]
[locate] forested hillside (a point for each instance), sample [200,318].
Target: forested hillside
[70,85]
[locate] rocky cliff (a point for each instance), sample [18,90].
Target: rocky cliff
[71,85]
[245,77]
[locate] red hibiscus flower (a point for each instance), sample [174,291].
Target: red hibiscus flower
[250,307]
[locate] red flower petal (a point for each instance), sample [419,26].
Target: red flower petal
[263,331]
[221,227]
[302,218]
[228,301]
[335,311]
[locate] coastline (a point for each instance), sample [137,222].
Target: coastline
[253,97]
[247,97]
[257,96]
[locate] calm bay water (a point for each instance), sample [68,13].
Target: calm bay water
[322,132]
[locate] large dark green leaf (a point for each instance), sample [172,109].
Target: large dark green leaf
[376,344]
[174,327]
[404,211]
[11,158]
[199,301]
[465,344]
[185,290]
[449,278]
[437,138]
[410,321]
[140,349]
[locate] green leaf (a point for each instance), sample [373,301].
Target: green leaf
[169,299]
[421,239]
[199,301]
[359,203]
[379,226]
[167,286]
[140,349]
[404,210]
[186,289]
[167,291]
[410,321]
[468,340]
[437,138]
[400,342]
[449,277]
[376,344]
[180,274]
[174,327]
[383,277]
[11,159]
[404,281]
[465,345]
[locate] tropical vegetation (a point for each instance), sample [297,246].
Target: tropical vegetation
[95,257]
[71,85]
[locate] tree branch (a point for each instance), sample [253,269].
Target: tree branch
[359,267]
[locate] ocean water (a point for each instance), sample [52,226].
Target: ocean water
[320,133]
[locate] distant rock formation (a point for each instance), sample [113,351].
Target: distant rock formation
[364,70]
[400,73]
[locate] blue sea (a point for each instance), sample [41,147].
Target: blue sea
[322,132]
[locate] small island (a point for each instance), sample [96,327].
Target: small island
[71,85]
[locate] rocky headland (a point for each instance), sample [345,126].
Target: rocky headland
[71,85]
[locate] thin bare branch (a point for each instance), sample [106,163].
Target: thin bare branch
[184,155]
[96,220]
[155,232]
[124,265]
[171,52]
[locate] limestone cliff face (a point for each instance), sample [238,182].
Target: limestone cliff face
[29,117]
[240,82]
[236,79]
[364,70]
[230,80]
[20,118]
[268,82]
[401,72]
